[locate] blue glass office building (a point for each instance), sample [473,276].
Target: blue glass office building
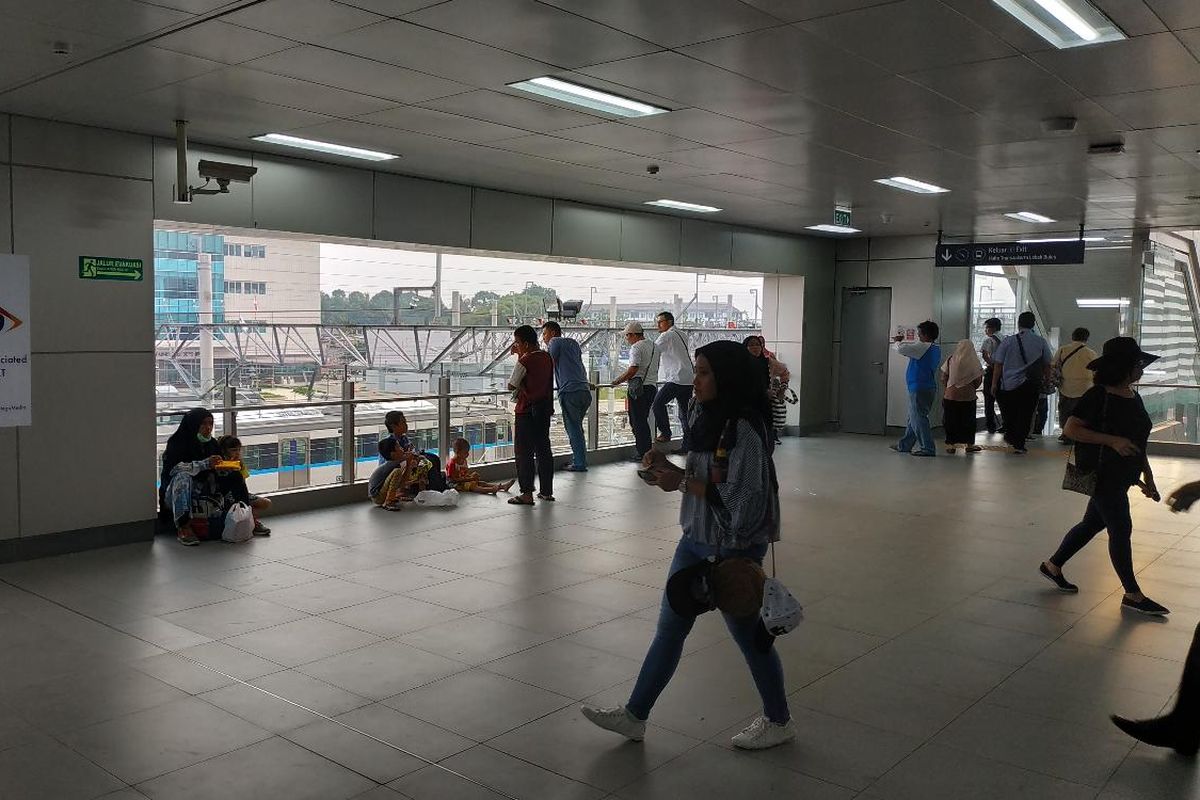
[176,254]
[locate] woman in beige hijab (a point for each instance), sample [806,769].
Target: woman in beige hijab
[962,373]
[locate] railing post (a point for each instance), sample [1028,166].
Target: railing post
[349,440]
[229,418]
[593,431]
[444,417]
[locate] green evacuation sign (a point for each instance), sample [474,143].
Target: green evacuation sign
[110,269]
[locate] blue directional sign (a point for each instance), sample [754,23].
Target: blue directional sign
[970,254]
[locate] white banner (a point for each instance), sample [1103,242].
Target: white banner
[15,386]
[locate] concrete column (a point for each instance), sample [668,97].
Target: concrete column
[455,308]
[204,297]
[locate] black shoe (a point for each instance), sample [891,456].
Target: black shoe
[1062,583]
[1145,606]
[1159,732]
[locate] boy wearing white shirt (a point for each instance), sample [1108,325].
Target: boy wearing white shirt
[675,376]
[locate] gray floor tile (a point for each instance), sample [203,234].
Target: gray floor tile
[472,595]
[401,577]
[162,633]
[478,704]
[150,743]
[612,594]
[274,768]
[474,639]
[45,770]
[381,670]
[263,578]
[565,668]
[513,777]
[88,697]
[944,671]
[468,560]
[322,596]
[231,617]
[536,576]
[1152,773]
[551,615]
[584,753]
[393,616]
[302,641]
[271,713]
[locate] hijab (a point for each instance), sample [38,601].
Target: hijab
[761,362]
[963,368]
[741,394]
[185,444]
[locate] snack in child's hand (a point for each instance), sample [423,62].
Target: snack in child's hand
[236,465]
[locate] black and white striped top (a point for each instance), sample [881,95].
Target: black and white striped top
[748,513]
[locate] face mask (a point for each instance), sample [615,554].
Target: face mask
[204,439]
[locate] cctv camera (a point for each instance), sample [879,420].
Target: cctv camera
[652,169]
[223,172]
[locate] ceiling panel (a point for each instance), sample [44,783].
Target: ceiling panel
[1191,40]
[1159,108]
[910,35]
[532,29]
[796,10]
[672,23]
[887,100]
[284,91]
[630,139]
[703,126]
[959,132]
[684,80]
[1145,163]
[356,74]
[439,123]
[509,109]
[790,150]
[220,41]
[995,84]
[123,19]
[787,58]
[560,149]
[391,8]
[1178,14]
[302,20]
[451,57]
[1157,61]
[1178,139]
[1133,17]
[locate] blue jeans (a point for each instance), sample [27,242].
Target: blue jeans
[681,393]
[918,431]
[575,405]
[667,647]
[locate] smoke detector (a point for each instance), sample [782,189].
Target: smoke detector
[1059,125]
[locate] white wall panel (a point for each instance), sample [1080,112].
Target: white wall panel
[706,244]
[893,247]
[421,211]
[650,238]
[60,216]
[517,223]
[313,198]
[235,209]
[117,389]
[586,231]
[40,143]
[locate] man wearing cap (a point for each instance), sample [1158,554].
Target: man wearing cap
[1022,365]
[642,375]
[675,375]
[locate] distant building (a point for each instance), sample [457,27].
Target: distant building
[706,314]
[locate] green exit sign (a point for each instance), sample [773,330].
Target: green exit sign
[841,216]
[95,268]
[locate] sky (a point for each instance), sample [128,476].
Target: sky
[372,269]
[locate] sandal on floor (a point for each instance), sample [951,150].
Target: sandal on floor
[547,497]
[518,501]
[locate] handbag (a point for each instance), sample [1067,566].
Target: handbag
[637,384]
[239,524]
[1080,480]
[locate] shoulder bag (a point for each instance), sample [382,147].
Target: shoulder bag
[1035,371]
[1056,376]
[637,383]
[1084,481]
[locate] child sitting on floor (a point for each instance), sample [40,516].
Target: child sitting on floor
[461,477]
[233,481]
[404,473]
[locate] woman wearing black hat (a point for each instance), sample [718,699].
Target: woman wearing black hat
[1111,428]
[730,509]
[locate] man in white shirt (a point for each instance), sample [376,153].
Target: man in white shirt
[675,375]
[641,375]
[991,341]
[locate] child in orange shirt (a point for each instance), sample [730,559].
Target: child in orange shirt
[460,476]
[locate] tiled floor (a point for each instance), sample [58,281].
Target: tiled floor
[342,655]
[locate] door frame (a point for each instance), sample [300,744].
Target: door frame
[847,291]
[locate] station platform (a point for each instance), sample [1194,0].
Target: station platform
[443,653]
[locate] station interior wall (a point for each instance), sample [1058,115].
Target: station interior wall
[83,468]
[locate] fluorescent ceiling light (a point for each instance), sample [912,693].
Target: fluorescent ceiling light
[682,206]
[1102,302]
[826,228]
[1064,23]
[1028,216]
[587,97]
[324,147]
[911,185]
[1065,239]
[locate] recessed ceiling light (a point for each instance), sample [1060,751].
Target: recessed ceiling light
[1064,23]
[911,185]
[827,228]
[1102,302]
[682,206]
[1028,216]
[324,147]
[1064,239]
[587,97]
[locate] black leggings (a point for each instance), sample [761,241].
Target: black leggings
[1109,508]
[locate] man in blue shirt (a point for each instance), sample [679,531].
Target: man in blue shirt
[924,358]
[574,391]
[1022,365]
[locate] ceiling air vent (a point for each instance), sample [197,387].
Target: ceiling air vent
[1106,148]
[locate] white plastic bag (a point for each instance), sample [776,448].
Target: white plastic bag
[239,524]
[781,612]
[429,497]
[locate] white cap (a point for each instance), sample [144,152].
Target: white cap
[634,327]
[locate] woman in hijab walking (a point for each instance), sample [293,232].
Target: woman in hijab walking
[775,374]
[187,486]
[1110,427]
[962,374]
[730,509]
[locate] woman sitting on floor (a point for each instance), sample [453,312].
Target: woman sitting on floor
[188,487]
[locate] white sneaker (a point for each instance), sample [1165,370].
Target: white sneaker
[617,720]
[762,733]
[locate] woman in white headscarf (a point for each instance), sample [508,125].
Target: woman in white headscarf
[962,373]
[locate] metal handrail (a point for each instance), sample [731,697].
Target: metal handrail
[1168,386]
